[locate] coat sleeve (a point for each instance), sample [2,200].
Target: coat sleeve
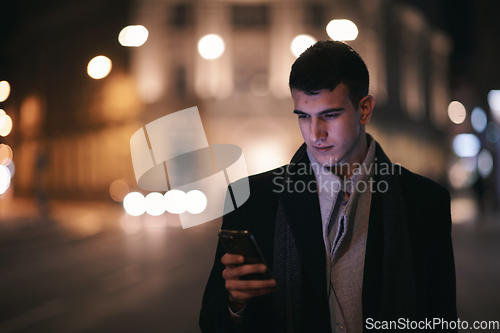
[440,277]
[214,315]
[256,215]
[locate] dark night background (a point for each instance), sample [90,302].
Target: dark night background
[85,268]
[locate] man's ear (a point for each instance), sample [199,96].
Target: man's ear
[366,106]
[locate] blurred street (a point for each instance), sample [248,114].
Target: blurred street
[476,248]
[90,269]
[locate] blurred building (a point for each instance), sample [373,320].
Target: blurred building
[244,96]
[82,126]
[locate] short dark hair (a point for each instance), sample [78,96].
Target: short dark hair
[325,65]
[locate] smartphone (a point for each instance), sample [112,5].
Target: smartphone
[243,243]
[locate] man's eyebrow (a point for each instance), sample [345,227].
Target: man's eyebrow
[322,112]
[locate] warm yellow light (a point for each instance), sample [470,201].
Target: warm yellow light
[133,35]
[6,154]
[4,178]
[118,190]
[175,201]
[5,125]
[197,201]
[211,46]
[99,67]
[134,203]
[458,176]
[4,90]
[342,30]
[301,43]
[463,210]
[31,116]
[154,203]
[456,112]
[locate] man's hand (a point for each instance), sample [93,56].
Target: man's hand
[241,291]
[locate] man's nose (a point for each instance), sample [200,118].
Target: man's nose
[318,130]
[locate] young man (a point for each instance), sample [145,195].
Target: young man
[353,242]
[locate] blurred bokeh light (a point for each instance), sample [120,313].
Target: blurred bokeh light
[456,112]
[492,132]
[458,175]
[4,90]
[154,203]
[99,67]
[12,168]
[6,154]
[175,201]
[344,30]
[31,116]
[133,35]
[211,46]
[5,125]
[478,119]
[463,210]
[118,190]
[300,43]
[196,201]
[469,163]
[4,178]
[134,203]
[466,145]
[485,163]
[494,103]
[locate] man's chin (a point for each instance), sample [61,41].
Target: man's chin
[327,162]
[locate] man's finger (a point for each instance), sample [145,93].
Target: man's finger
[233,272]
[250,284]
[232,259]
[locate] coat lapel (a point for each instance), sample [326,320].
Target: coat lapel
[301,205]
[374,253]
[389,280]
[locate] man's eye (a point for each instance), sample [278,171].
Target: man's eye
[331,115]
[303,116]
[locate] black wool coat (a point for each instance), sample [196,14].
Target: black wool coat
[409,267]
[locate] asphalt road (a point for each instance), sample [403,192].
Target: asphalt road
[148,279]
[148,274]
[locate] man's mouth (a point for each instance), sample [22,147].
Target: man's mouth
[322,149]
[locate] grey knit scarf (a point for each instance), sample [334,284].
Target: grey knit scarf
[287,268]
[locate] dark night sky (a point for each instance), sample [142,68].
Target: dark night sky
[474,29]
[456,17]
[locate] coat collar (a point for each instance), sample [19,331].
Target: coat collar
[388,277]
[302,210]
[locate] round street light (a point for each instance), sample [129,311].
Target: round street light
[342,30]
[99,67]
[211,46]
[301,43]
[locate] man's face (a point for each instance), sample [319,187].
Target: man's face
[332,127]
